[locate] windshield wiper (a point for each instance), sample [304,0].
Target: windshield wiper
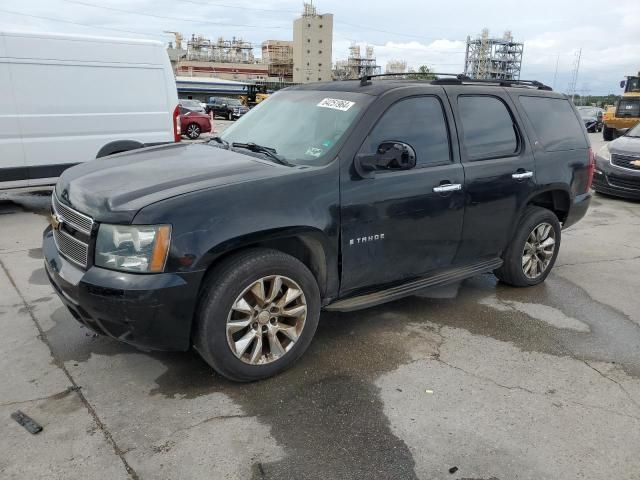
[224,143]
[268,151]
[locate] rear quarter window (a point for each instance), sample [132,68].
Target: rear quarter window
[555,123]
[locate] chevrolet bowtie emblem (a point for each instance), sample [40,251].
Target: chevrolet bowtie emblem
[635,163]
[55,221]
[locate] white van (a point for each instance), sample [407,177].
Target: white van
[67,99]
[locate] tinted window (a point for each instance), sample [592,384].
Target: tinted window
[554,122]
[489,131]
[417,121]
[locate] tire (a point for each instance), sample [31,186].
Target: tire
[233,282]
[514,271]
[193,131]
[608,134]
[230,117]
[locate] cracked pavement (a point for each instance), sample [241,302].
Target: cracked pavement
[502,383]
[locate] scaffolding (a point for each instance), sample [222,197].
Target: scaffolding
[493,58]
[235,50]
[278,55]
[357,66]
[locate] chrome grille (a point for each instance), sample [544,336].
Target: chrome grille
[71,217]
[624,161]
[71,248]
[74,249]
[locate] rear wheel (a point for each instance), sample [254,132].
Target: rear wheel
[608,134]
[193,131]
[534,249]
[257,315]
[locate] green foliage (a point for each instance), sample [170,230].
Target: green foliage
[423,73]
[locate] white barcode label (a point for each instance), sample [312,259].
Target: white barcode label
[336,104]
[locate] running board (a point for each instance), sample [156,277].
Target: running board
[443,278]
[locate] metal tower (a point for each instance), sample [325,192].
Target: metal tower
[493,58]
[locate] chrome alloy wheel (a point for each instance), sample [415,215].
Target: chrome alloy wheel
[538,250]
[266,320]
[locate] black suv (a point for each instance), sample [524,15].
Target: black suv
[229,108]
[335,196]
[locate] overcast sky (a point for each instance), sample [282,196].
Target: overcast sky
[422,32]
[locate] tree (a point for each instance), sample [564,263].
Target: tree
[423,73]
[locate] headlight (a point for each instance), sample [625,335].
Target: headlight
[604,153]
[133,248]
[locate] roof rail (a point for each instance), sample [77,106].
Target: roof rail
[366,79]
[460,79]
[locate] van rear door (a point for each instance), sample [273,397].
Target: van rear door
[13,172]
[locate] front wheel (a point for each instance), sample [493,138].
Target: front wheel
[193,131]
[257,315]
[534,249]
[230,116]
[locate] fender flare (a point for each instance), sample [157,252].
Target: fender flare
[118,146]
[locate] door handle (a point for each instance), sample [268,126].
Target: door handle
[447,187]
[522,175]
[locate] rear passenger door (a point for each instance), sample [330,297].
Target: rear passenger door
[498,166]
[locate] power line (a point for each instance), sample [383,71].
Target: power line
[41,17]
[257,9]
[182,19]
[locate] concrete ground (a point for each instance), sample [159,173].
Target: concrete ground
[495,382]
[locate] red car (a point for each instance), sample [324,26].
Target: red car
[193,123]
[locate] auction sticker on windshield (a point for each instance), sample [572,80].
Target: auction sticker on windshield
[336,104]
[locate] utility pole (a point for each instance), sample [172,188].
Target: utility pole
[555,75]
[574,75]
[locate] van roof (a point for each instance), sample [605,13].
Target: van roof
[86,38]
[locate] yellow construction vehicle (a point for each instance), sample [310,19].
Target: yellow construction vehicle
[255,95]
[626,113]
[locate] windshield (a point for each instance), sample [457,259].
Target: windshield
[190,104]
[303,126]
[634,132]
[231,101]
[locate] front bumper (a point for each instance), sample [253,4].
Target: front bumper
[151,312]
[615,181]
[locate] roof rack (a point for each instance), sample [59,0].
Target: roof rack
[460,79]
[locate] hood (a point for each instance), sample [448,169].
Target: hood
[625,146]
[115,188]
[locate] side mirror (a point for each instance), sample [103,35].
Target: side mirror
[599,115]
[622,83]
[389,156]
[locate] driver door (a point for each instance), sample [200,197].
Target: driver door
[402,224]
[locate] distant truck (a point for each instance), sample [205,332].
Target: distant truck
[626,113]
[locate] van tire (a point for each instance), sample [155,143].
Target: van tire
[229,282]
[512,271]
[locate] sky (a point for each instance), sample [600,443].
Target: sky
[422,32]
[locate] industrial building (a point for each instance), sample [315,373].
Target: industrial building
[224,59]
[357,65]
[493,58]
[312,46]
[396,66]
